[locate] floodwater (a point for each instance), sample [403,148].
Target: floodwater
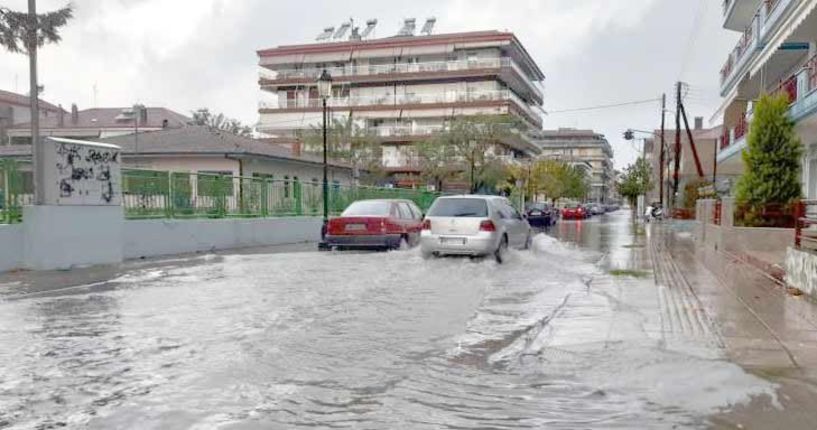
[355,340]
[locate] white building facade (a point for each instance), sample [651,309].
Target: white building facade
[776,52]
[403,89]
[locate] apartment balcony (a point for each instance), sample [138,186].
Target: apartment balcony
[801,91]
[403,132]
[738,13]
[505,67]
[444,100]
[762,25]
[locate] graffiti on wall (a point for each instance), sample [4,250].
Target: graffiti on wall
[85,174]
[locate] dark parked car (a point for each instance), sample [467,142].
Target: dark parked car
[376,224]
[597,209]
[542,215]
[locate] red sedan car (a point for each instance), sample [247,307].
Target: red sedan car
[375,224]
[574,212]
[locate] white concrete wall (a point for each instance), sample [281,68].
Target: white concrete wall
[38,248]
[61,237]
[11,247]
[147,238]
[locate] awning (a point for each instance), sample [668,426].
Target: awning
[786,29]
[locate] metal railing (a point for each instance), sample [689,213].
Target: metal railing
[765,20]
[717,210]
[773,215]
[386,69]
[805,228]
[160,194]
[16,190]
[405,99]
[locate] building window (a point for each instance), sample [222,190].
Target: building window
[286,187]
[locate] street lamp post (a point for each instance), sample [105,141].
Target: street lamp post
[325,91]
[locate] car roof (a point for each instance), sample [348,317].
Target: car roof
[384,200]
[473,196]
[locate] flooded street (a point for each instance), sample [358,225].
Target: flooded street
[553,339]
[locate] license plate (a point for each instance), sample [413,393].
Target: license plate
[536,213]
[453,240]
[355,227]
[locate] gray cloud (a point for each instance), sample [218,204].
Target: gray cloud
[187,54]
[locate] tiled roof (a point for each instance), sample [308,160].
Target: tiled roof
[23,100]
[190,140]
[106,118]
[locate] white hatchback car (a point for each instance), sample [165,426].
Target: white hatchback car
[473,226]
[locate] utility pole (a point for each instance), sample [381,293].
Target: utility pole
[677,162]
[715,169]
[663,143]
[34,95]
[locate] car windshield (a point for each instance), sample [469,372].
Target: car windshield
[571,206]
[471,208]
[538,206]
[368,208]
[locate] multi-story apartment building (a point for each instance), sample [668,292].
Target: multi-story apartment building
[404,88]
[582,147]
[777,52]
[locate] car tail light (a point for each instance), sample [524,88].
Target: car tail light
[384,228]
[427,224]
[487,225]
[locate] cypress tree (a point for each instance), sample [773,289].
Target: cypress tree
[772,157]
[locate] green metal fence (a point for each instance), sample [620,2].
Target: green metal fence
[16,190]
[161,194]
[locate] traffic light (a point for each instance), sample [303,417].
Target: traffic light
[628,135]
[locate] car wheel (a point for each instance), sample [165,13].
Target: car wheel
[502,250]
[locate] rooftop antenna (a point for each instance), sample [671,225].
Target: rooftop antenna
[341,31]
[326,34]
[428,27]
[370,25]
[409,25]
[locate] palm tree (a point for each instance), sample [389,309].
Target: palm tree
[22,32]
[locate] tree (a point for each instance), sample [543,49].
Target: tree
[350,143]
[635,181]
[220,122]
[22,32]
[772,156]
[437,162]
[471,141]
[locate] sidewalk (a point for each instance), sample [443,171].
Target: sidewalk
[760,326]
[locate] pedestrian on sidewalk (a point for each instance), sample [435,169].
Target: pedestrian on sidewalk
[648,213]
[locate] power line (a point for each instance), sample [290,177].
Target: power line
[610,106]
[693,38]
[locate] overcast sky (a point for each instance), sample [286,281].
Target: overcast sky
[185,54]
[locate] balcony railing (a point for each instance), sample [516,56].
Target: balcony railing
[756,33]
[398,68]
[405,99]
[386,69]
[745,45]
[404,130]
[788,88]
